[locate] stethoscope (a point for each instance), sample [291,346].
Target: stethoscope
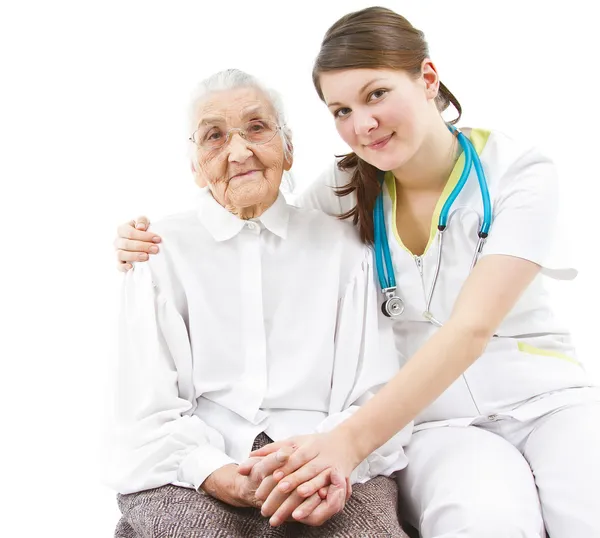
[392,305]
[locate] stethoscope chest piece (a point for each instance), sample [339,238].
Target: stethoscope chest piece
[393,306]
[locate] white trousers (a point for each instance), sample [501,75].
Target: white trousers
[503,477]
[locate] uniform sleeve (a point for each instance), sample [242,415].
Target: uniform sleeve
[365,360]
[525,213]
[321,193]
[156,439]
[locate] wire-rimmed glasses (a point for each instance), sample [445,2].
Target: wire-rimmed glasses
[213,137]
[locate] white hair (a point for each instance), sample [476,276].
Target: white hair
[232,79]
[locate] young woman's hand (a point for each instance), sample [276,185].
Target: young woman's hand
[134,243]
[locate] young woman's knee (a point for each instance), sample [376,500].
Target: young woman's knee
[487,517]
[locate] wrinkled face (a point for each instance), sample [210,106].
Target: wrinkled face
[240,174]
[382,114]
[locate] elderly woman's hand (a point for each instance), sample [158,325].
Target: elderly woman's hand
[134,243]
[235,489]
[314,510]
[259,473]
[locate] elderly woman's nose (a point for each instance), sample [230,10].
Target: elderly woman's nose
[239,148]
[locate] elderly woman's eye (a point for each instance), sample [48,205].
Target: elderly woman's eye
[257,127]
[213,134]
[341,112]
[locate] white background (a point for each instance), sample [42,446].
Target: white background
[92,132]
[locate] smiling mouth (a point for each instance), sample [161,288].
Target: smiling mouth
[378,144]
[243,174]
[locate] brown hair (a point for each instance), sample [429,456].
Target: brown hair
[372,38]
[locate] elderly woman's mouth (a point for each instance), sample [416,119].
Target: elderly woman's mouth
[245,174]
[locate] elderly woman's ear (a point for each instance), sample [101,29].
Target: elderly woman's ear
[289,157]
[198,178]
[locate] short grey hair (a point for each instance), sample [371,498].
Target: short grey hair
[232,79]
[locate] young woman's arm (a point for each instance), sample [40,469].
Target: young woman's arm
[487,296]
[520,241]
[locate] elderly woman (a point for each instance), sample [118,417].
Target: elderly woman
[256,322]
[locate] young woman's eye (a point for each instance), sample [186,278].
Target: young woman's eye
[341,112]
[377,94]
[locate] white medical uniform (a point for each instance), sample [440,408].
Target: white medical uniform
[525,414]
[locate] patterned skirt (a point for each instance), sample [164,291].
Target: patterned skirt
[176,512]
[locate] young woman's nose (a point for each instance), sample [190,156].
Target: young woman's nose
[364,123]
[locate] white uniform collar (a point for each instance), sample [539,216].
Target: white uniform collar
[223,225]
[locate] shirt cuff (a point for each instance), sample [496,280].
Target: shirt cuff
[200,463]
[360,475]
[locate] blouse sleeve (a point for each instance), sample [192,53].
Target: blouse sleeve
[156,438]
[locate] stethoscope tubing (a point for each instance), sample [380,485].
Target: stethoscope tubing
[383,257]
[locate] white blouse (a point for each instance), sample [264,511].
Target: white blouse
[239,327]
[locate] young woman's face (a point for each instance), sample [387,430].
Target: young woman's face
[382,114]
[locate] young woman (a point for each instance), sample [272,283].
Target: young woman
[507,421]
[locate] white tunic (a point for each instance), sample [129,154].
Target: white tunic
[239,327]
[535,356]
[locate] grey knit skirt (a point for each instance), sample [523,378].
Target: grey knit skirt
[176,512]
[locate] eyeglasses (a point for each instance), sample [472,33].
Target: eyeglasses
[255,132]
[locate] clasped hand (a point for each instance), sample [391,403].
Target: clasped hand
[317,478]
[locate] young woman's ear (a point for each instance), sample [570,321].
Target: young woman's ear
[430,78]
